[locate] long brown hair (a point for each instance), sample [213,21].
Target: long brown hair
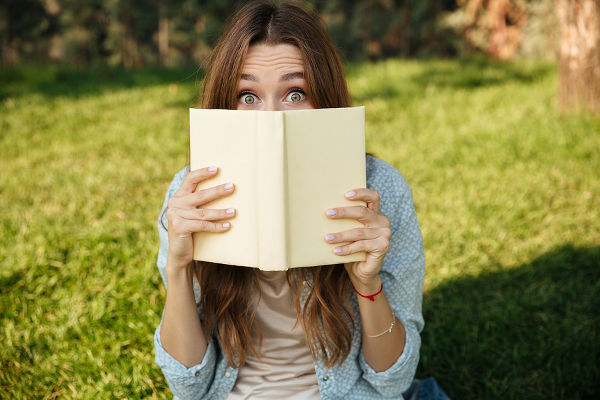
[226,290]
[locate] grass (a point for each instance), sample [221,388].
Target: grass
[506,188]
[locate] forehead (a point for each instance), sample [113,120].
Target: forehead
[279,57]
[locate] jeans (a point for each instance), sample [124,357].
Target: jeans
[425,389]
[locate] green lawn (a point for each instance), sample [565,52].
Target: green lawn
[507,192]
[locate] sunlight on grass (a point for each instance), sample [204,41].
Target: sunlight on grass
[503,184]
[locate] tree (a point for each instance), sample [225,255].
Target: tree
[22,23]
[163,32]
[493,26]
[579,84]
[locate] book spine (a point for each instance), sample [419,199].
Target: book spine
[271,202]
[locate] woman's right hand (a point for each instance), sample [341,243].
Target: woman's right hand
[186,215]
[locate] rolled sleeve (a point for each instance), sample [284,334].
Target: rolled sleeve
[186,383]
[402,274]
[397,378]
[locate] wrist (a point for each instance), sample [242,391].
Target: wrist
[175,268]
[367,286]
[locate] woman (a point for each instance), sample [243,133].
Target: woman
[348,331]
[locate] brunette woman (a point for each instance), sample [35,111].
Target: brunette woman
[346,331]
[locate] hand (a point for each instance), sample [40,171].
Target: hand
[186,215]
[373,238]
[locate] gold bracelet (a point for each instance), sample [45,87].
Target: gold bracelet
[389,330]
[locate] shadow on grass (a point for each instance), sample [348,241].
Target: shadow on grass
[52,81]
[470,74]
[480,72]
[530,332]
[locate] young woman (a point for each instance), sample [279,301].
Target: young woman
[347,331]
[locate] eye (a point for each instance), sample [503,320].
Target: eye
[247,98]
[296,96]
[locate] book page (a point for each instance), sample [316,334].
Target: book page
[227,139]
[325,151]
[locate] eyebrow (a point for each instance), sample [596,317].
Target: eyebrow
[291,75]
[285,77]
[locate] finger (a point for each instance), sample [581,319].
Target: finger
[206,214]
[360,213]
[193,178]
[377,247]
[195,225]
[356,234]
[369,196]
[204,196]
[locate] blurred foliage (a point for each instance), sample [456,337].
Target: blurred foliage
[377,28]
[127,32]
[504,28]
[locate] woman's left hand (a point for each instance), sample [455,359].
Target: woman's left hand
[373,238]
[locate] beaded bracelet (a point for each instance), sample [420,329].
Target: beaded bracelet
[389,330]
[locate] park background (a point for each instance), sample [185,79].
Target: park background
[489,108]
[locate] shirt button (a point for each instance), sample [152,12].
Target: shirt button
[197,373]
[227,374]
[325,378]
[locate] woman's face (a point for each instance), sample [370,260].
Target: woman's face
[273,79]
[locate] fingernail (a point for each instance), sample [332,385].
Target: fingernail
[228,186]
[212,169]
[329,237]
[229,211]
[226,225]
[331,212]
[350,193]
[337,250]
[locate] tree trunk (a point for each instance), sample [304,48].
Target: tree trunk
[129,50]
[163,33]
[10,53]
[579,85]
[56,46]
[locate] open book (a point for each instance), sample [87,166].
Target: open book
[288,168]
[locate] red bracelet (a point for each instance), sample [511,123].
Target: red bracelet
[371,296]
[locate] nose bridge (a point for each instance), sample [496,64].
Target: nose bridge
[272,104]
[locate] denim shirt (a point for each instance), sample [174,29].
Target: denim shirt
[402,274]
